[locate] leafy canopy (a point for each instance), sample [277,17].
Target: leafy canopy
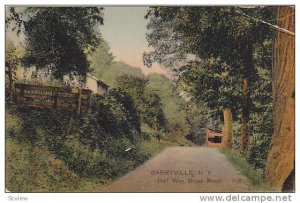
[58,38]
[148,103]
[204,32]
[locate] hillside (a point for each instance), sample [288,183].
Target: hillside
[108,70]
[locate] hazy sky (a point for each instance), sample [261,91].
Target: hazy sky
[124,29]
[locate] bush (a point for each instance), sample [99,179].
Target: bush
[48,125]
[113,116]
[66,148]
[13,123]
[92,146]
[176,133]
[106,164]
[147,102]
[92,163]
[151,148]
[35,169]
[261,132]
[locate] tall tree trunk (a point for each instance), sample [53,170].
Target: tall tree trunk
[245,117]
[281,157]
[248,70]
[227,132]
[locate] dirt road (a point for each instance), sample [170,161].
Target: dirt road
[183,169]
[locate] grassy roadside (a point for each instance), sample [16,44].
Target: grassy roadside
[153,147]
[45,173]
[255,176]
[33,167]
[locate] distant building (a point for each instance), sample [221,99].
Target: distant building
[214,138]
[97,86]
[33,76]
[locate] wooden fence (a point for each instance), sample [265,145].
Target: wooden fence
[39,96]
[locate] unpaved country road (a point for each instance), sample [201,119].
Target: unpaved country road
[183,169]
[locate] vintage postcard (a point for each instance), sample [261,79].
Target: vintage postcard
[183,99]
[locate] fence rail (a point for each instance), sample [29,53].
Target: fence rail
[39,96]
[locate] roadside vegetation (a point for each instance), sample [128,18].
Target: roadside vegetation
[254,175]
[230,84]
[52,150]
[59,151]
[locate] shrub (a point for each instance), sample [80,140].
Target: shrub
[13,123]
[113,116]
[35,169]
[89,163]
[147,102]
[75,147]
[176,133]
[151,148]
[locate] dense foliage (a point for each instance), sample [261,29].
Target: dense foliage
[91,146]
[77,152]
[13,56]
[212,81]
[125,127]
[32,168]
[222,60]
[58,38]
[114,116]
[148,102]
[154,88]
[101,60]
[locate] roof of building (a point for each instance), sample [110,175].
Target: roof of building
[214,133]
[98,81]
[215,130]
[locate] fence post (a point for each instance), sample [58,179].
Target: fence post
[79,100]
[22,91]
[89,101]
[21,96]
[17,94]
[55,98]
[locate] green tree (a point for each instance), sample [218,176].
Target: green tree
[101,59]
[13,55]
[206,32]
[59,38]
[153,113]
[261,118]
[211,82]
[135,86]
[148,102]
[114,116]
[173,104]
